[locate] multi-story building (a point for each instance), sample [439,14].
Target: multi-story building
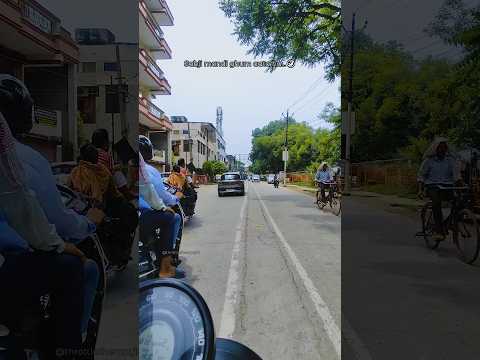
[35,48]
[102,101]
[196,141]
[152,82]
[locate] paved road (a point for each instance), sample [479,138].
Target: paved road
[401,300]
[118,337]
[268,265]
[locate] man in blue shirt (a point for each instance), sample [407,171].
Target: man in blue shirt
[323,178]
[439,168]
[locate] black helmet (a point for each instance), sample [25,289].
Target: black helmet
[145,147]
[100,139]
[16,104]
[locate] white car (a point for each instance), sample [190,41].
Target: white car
[271,178]
[256,178]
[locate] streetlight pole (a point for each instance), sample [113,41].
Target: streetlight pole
[285,155]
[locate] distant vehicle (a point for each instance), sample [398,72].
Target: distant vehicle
[256,178]
[263,177]
[231,183]
[270,178]
[218,177]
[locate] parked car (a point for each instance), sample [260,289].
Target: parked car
[256,178]
[263,177]
[231,183]
[218,177]
[270,178]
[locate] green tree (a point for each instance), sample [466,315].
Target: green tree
[212,168]
[303,30]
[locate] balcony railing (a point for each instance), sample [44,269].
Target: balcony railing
[152,108]
[150,64]
[150,21]
[153,68]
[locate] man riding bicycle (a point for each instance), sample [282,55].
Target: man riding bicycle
[439,168]
[323,178]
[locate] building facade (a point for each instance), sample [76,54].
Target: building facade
[153,122]
[107,86]
[35,48]
[196,142]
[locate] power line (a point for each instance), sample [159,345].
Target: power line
[310,89]
[311,101]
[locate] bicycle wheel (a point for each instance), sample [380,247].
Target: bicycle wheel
[338,206]
[466,236]
[428,227]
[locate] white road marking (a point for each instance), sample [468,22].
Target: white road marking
[320,305]
[228,320]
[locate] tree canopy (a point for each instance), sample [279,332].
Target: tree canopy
[401,103]
[307,146]
[307,31]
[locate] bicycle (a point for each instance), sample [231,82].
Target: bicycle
[461,221]
[332,199]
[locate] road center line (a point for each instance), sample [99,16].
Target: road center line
[320,305]
[227,324]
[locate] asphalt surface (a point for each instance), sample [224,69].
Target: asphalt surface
[268,265]
[400,299]
[118,335]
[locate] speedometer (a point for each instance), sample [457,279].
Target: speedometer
[175,323]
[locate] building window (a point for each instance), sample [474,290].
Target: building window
[176,147]
[89,67]
[185,132]
[176,132]
[110,66]
[186,147]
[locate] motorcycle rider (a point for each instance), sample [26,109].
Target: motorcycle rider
[17,107]
[156,214]
[32,253]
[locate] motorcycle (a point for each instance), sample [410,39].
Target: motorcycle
[176,323]
[188,202]
[23,340]
[148,264]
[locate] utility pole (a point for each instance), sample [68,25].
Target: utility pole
[121,94]
[349,110]
[285,155]
[113,115]
[190,142]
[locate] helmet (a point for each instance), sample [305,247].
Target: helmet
[100,138]
[16,104]
[145,147]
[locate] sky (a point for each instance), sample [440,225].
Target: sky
[249,97]
[403,21]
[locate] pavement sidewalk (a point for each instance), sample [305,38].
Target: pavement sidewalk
[387,200]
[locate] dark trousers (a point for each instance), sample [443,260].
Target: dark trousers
[152,220]
[25,277]
[437,196]
[322,190]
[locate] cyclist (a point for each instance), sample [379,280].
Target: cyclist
[323,178]
[439,168]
